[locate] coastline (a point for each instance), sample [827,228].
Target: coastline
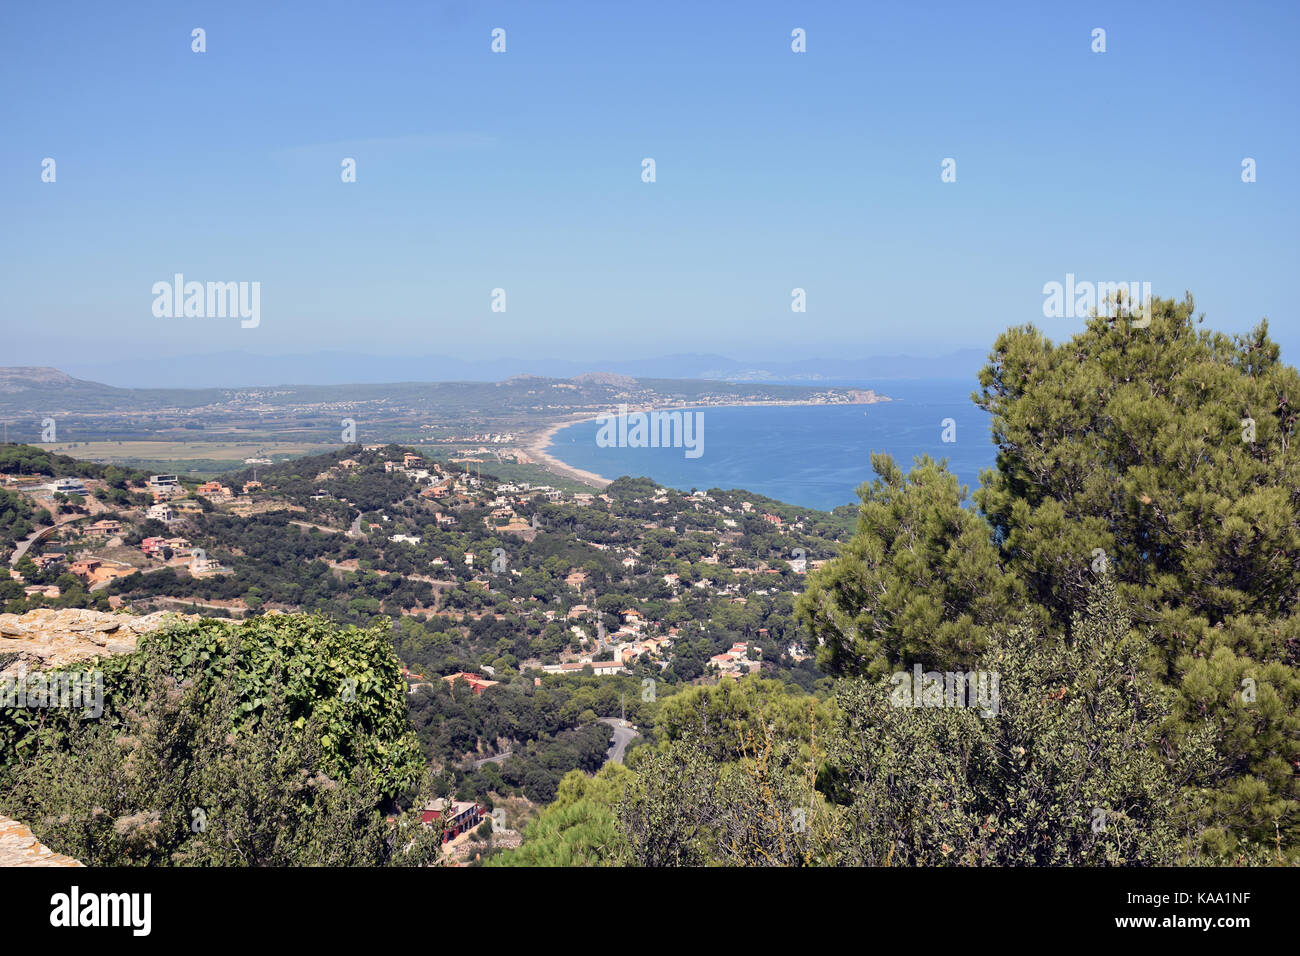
[535,444]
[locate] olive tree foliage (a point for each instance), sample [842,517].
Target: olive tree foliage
[666,815]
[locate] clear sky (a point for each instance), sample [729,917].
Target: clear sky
[522,171]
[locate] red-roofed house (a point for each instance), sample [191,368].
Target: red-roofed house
[462,815]
[476,683]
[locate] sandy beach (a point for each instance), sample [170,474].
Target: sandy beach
[535,446]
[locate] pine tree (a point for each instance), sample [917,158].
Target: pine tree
[1163,456]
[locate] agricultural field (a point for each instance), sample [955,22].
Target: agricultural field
[200,458]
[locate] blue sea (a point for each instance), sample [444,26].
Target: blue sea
[810,455]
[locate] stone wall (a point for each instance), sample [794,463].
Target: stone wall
[19,848]
[50,638]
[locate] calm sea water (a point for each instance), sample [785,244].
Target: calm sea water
[811,455]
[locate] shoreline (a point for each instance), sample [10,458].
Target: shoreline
[535,444]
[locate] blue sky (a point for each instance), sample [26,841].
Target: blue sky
[522,171]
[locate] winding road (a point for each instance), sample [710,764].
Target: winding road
[40,533]
[623,734]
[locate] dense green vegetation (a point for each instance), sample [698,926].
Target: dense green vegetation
[548,730]
[31,460]
[281,741]
[1069,770]
[17,520]
[579,828]
[1164,456]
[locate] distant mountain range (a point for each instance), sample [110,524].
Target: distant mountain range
[244,370]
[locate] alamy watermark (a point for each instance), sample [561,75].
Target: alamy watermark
[652,430]
[211,300]
[62,690]
[1080,300]
[974,689]
[75,909]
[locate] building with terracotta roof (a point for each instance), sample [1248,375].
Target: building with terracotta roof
[85,568]
[213,489]
[460,816]
[476,683]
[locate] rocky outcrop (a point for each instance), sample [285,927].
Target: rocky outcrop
[18,847]
[45,638]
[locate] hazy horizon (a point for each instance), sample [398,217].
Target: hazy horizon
[239,369]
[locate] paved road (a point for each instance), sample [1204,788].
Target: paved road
[622,737]
[623,734]
[318,527]
[39,533]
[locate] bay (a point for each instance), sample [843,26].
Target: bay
[810,455]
